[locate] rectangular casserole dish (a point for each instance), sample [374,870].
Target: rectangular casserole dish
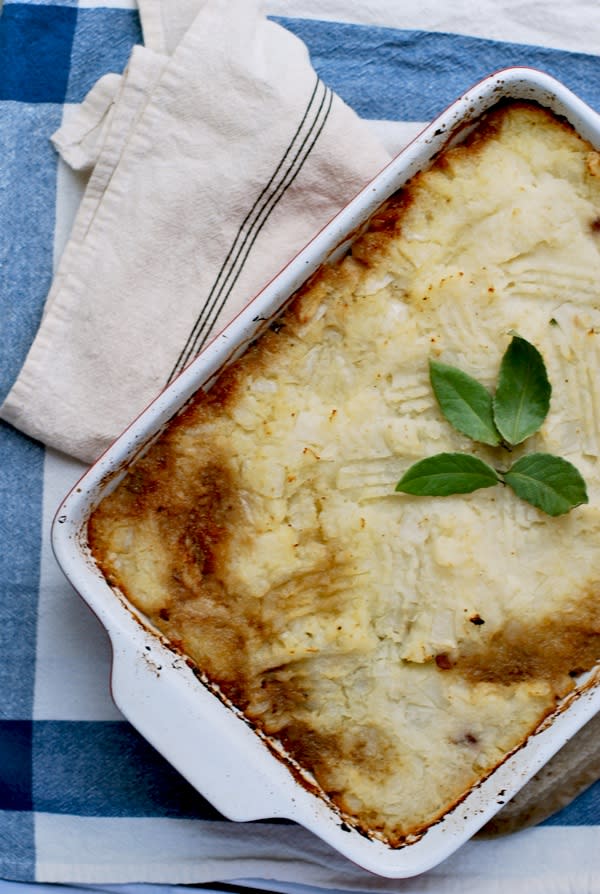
[207,740]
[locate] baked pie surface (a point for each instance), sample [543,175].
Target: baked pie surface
[399,647]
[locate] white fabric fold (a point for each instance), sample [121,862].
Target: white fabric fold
[165,22]
[80,141]
[218,164]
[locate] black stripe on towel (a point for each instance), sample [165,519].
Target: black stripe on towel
[288,168]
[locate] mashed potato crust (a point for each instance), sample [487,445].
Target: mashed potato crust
[398,647]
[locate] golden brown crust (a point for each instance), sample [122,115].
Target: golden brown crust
[552,649]
[397,648]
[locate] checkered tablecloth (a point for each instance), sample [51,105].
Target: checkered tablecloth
[83,798]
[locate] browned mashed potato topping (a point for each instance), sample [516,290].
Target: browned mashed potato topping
[399,647]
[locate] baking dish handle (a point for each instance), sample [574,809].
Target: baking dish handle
[213,748]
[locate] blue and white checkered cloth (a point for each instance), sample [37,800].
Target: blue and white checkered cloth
[83,798]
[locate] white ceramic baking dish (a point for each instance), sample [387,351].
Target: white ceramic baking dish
[205,739]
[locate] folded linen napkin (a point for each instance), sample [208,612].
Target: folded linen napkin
[117,286]
[216,164]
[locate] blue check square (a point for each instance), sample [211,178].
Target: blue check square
[35,52]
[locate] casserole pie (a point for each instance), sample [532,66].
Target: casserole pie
[397,647]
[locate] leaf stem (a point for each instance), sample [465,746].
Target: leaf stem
[517,410]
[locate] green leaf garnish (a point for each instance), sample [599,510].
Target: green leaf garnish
[522,398]
[465,402]
[548,482]
[517,410]
[445,474]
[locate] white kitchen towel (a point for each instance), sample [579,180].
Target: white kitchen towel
[217,164]
[165,22]
[82,138]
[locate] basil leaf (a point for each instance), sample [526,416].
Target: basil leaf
[445,474]
[522,397]
[548,482]
[465,402]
